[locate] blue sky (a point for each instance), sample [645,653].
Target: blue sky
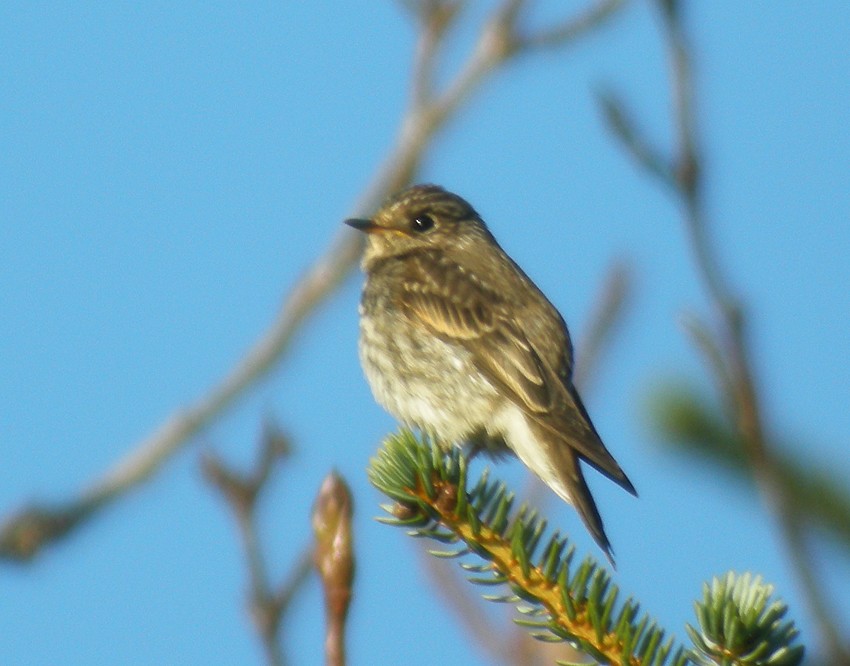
[169,172]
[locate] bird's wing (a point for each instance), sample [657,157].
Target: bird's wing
[460,307]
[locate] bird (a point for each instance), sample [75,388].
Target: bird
[456,341]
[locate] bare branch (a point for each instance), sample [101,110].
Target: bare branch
[241,492]
[610,305]
[150,453]
[466,607]
[731,321]
[435,18]
[706,344]
[621,124]
[570,29]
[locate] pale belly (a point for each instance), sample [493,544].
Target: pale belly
[426,383]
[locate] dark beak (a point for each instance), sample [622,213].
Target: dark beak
[361,225]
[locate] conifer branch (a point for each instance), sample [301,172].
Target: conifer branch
[558,599]
[740,624]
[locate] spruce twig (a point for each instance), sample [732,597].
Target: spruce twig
[559,599]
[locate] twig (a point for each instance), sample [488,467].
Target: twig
[435,18]
[623,127]
[728,356]
[241,492]
[466,607]
[610,305]
[574,26]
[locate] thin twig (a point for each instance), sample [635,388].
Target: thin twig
[435,18]
[295,579]
[574,26]
[241,492]
[610,305]
[624,128]
[466,607]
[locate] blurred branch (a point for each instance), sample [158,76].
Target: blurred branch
[687,421]
[728,355]
[611,301]
[704,340]
[241,492]
[624,128]
[572,27]
[26,531]
[333,557]
[435,18]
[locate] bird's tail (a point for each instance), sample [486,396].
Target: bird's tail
[572,484]
[558,466]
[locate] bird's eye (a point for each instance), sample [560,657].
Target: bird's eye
[422,223]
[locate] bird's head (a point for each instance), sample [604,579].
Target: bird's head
[421,217]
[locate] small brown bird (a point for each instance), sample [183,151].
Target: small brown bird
[457,341]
